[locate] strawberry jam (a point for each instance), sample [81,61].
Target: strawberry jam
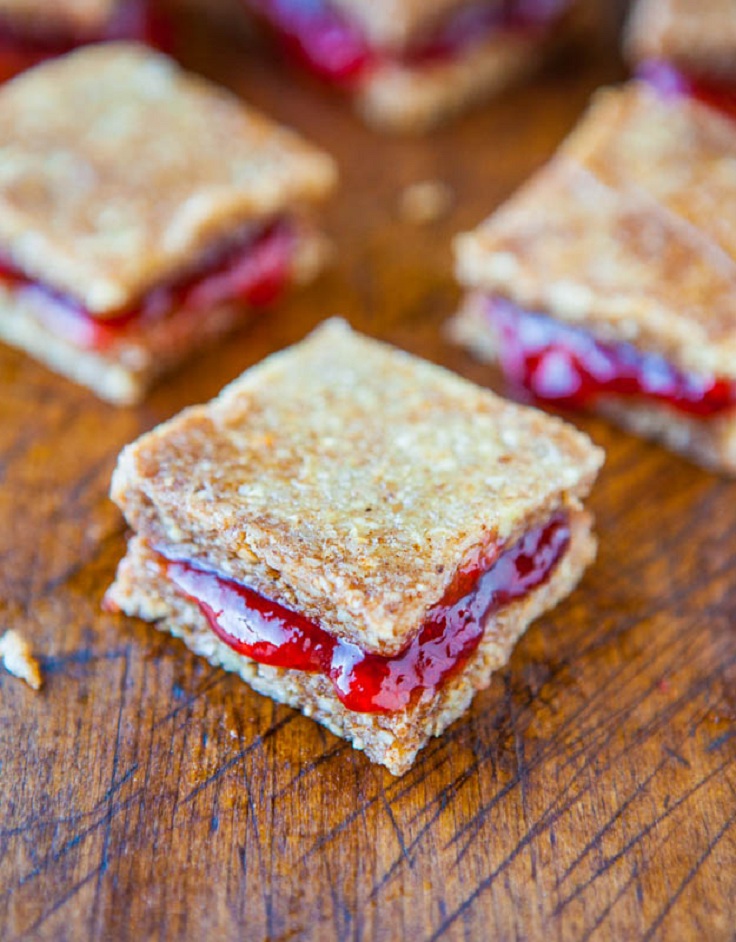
[133,20]
[370,683]
[333,47]
[672,82]
[254,272]
[317,37]
[567,366]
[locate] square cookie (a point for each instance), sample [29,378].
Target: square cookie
[608,281]
[408,65]
[143,211]
[355,532]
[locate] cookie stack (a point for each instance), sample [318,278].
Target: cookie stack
[354,531]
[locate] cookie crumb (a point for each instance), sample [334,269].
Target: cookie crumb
[425,202]
[15,653]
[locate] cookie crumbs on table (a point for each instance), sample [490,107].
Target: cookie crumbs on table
[425,202]
[18,659]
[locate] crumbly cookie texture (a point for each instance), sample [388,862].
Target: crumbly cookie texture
[349,481]
[123,372]
[66,17]
[118,170]
[15,653]
[697,36]
[627,232]
[390,739]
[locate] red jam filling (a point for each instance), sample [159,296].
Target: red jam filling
[253,272]
[134,20]
[334,48]
[672,82]
[566,365]
[369,683]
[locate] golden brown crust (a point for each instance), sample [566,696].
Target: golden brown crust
[698,36]
[349,481]
[124,372]
[676,156]
[118,170]
[393,739]
[628,231]
[65,17]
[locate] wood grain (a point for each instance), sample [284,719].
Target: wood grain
[589,794]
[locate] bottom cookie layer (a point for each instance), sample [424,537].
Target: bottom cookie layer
[392,739]
[123,373]
[413,99]
[401,98]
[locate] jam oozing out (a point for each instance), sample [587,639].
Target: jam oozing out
[672,82]
[568,366]
[253,272]
[370,683]
[133,20]
[330,45]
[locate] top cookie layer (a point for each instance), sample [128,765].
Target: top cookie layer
[349,481]
[118,171]
[629,230]
[697,36]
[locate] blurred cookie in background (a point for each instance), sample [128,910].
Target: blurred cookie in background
[410,65]
[32,31]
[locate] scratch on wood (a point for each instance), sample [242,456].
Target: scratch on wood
[58,904]
[104,853]
[596,839]
[237,758]
[689,877]
[677,757]
[721,740]
[397,830]
[215,678]
[610,861]
[80,656]
[69,845]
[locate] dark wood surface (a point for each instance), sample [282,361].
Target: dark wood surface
[590,793]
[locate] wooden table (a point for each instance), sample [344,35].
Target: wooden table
[589,794]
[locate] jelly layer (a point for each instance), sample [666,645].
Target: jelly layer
[672,82]
[271,634]
[253,272]
[566,365]
[334,48]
